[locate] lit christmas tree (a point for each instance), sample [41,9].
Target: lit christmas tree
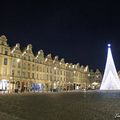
[110,79]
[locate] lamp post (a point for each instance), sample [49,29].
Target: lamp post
[12,81]
[54,83]
[89,78]
[11,77]
[19,75]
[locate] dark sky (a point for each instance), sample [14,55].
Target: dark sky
[76,31]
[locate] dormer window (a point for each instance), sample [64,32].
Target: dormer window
[5,61]
[6,52]
[29,58]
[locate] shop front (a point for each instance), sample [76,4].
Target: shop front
[4,86]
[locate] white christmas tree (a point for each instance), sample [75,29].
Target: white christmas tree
[110,78]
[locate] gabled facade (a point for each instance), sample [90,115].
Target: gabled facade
[21,70]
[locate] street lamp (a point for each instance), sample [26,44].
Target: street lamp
[55,68]
[89,78]
[18,60]
[12,76]
[54,83]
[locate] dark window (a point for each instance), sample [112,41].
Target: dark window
[13,64]
[50,70]
[61,72]
[47,77]
[37,68]
[28,66]
[50,77]
[24,66]
[33,75]
[23,74]
[55,72]
[28,74]
[5,61]
[18,65]
[6,52]
[47,70]
[18,73]
[41,69]
[37,76]
[33,67]
[12,72]
[29,58]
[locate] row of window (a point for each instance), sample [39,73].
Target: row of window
[4,51]
[48,77]
[49,70]
[33,67]
[23,74]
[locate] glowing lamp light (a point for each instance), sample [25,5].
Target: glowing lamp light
[109,45]
[55,68]
[74,72]
[46,60]
[18,60]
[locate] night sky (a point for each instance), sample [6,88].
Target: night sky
[78,32]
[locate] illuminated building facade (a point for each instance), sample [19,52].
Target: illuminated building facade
[21,70]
